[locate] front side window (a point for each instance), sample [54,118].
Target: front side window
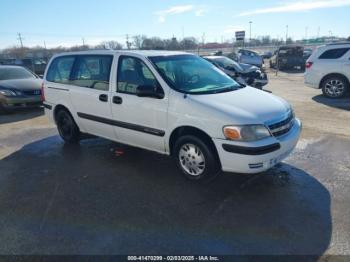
[60,69]
[334,53]
[92,71]
[193,75]
[133,74]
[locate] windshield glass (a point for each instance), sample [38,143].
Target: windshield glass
[296,51]
[15,73]
[227,63]
[193,75]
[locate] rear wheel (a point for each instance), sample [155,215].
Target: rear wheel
[67,128]
[196,159]
[335,87]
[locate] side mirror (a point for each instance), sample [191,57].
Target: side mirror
[149,91]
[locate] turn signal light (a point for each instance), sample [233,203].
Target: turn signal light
[231,133]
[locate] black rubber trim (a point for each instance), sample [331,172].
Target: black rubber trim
[144,129]
[47,106]
[57,88]
[251,150]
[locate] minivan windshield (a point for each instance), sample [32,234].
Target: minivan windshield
[193,75]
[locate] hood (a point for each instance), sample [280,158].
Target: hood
[22,84]
[246,68]
[246,106]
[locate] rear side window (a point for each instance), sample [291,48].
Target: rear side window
[60,69]
[92,71]
[334,53]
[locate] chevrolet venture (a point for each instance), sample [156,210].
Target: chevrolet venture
[173,103]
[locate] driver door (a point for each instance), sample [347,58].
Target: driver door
[139,121]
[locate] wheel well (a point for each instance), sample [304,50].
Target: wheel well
[189,130]
[333,75]
[59,108]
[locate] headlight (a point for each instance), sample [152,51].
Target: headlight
[6,92]
[246,133]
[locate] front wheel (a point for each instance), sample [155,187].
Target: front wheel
[67,128]
[196,159]
[335,87]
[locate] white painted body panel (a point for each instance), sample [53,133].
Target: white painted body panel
[209,113]
[323,67]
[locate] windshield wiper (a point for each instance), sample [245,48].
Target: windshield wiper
[227,89]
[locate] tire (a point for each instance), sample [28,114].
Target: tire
[196,159]
[67,128]
[3,110]
[335,86]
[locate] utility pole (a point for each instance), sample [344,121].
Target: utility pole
[306,28]
[128,44]
[20,38]
[318,32]
[286,33]
[183,32]
[83,41]
[44,44]
[250,33]
[203,39]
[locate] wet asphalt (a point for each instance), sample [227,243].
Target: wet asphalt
[86,199]
[58,199]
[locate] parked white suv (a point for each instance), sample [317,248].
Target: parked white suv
[172,103]
[328,68]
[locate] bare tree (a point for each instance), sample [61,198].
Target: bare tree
[138,41]
[189,43]
[112,45]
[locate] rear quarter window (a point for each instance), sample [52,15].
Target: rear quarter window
[334,53]
[60,69]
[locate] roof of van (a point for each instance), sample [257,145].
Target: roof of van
[147,53]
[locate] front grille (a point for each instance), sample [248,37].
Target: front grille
[282,127]
[31,92]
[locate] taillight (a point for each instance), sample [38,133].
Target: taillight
[42,93]
[308,64]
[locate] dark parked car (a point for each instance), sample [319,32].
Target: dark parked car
[35,65]
[267,55]
[243,73]
[288,57]
[307,53]
[19,87]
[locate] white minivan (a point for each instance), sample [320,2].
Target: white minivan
[173,103]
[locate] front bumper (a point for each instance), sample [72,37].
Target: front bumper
[26,101]
[256,157]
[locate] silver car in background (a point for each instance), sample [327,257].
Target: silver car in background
[250,57]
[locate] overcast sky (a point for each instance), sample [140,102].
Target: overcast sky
[67,22]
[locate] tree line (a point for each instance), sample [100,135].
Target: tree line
[144,43]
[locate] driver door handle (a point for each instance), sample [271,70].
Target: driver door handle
[117,100]
[103,98]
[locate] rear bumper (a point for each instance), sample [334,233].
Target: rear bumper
[9,102]
[311,79]
[256,158]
